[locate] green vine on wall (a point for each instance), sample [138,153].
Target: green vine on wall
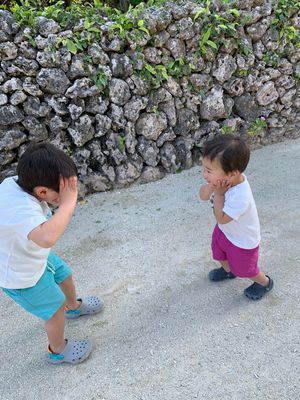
[156,74]
[217,28]
[288,34]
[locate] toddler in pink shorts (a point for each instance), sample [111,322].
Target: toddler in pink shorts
[236,237]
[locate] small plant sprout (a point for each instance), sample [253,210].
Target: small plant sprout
[257,126]
[226,129]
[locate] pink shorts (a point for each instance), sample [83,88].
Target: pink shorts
[242,262]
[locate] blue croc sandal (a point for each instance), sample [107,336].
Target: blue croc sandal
[219,274]
[89,305]
[74,352]
[257,291]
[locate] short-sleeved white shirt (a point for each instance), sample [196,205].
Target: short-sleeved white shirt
[22,262]
[244,230]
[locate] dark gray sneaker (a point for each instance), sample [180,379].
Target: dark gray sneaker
[219,274]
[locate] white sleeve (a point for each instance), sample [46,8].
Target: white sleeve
[235,205]
[27,218]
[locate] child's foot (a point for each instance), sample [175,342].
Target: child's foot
[89,305]
[257,291]
[219,274]
[74,352]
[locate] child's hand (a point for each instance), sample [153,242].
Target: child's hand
[221,187]
[68,190]
[206,190]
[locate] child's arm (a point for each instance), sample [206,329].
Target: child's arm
[47,234]
[219,199]
[206,191]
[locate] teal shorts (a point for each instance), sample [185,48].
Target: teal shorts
[46,297]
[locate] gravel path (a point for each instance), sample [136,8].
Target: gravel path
[167,333]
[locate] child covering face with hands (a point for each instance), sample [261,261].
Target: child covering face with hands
[236,236]
[30,273]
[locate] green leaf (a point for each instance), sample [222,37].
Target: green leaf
[165,75]
[234,12]
[221,19]
[94,29]
[150,69]
[206,35]
[163,70]
[212,44]
[171,64]
[142,28]
[71,47]
[199,12]
[203,50]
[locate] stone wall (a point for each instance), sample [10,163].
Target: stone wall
[121,128]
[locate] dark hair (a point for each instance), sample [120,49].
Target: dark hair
[231,151]
[42,164]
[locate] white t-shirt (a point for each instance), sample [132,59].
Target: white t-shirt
[244,230]
[22,262]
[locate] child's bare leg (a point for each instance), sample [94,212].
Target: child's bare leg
[225,265]
[74,307]
[55,330]
[68,287]
[261,278]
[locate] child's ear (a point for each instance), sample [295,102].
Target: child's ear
[40,192]
[234,174]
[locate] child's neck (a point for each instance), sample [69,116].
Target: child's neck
[238,179]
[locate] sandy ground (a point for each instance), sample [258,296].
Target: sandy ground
[167,333]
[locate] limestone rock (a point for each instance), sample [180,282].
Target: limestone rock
[20,66]
[151,174]
[215,105]
[246,107]
[47,26]
[121,66]
[3,99]
[133,107]
[148,150]
[11,138]
[53,80]
[17,97]
[119,92]
[82,88]
[82,131]
[8,51]
[267,94]
[38,131]
[151,125]
[10,115]
[225,68]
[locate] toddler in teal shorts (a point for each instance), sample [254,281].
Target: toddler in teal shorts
[30,274]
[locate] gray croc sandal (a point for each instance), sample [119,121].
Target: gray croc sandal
[89,305]
[74,352]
